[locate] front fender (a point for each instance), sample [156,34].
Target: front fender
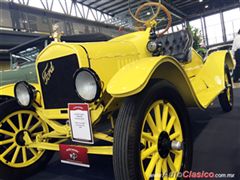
[8,91]
[134,77]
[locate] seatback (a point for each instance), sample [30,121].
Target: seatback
[178,45]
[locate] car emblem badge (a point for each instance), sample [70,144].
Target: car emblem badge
[73,156]
[47,72]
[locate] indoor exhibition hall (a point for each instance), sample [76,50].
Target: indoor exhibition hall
[119,89]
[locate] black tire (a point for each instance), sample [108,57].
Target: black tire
[126,149]
[226,102]
[7,172]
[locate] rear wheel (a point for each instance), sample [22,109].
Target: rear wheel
[16,159]
[226,97]
[152,135]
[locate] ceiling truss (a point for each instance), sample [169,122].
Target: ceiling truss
[116,12]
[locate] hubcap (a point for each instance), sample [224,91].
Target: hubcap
[164,144]
[176,145]
[19,137]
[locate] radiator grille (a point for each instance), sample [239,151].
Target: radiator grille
[56,78]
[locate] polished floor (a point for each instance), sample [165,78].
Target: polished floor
[216,148]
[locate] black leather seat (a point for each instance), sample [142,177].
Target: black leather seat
[178,45]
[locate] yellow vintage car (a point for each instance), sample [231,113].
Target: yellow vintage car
[136,89]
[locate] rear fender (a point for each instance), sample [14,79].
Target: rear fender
[212,72]
[212,77]
[134,77]
[223,57]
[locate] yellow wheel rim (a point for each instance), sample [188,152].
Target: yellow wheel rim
[13,151]
[161,119]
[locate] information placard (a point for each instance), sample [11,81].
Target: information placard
[80,123]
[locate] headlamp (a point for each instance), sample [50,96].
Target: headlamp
[24,93]
[152,46]
[87,84]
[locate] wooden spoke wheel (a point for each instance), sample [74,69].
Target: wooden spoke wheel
[16,158]
[152,135]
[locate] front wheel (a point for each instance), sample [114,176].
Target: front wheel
[226,97]
[152,135]
[16,159]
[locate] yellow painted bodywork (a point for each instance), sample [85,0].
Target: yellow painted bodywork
[7,90]
[125,67]
[198,83]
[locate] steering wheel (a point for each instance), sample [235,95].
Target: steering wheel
[160,7]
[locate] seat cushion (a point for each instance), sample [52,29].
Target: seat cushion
[178,45]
